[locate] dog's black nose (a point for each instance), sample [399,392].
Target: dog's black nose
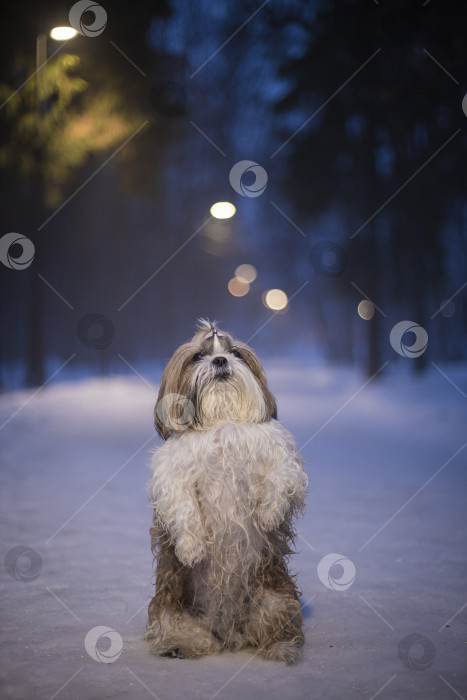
[219,361]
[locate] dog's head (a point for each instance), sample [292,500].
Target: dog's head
[210,380]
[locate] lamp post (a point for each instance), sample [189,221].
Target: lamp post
[41,57]
[35,349]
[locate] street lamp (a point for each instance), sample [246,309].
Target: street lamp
[57,33]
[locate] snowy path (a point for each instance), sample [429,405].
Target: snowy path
[74,469]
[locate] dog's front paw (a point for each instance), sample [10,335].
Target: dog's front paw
[290,652]
[189,549]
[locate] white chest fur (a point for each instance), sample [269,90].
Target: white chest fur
[229,483]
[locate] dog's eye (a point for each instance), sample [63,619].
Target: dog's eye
[235,353]
[199,356]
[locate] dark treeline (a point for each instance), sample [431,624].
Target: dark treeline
[110,162]
[387,158]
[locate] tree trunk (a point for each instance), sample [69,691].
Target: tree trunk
[35,359]
[373,325]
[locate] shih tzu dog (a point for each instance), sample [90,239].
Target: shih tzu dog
[225,487]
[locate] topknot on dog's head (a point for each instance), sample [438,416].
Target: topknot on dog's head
[207,330]
[205,325]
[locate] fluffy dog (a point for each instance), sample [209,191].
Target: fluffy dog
[225,488]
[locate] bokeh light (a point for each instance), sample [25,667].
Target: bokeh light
[366,310]
[276,299]
[63,33]
[222,210]
[247,272]
[238,287]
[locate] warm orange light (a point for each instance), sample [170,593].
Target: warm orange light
[238,287]
[366,310]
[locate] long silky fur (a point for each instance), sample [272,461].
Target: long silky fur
[225,489]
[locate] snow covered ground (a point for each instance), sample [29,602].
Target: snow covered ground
[387,467]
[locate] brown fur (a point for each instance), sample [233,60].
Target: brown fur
[266,612]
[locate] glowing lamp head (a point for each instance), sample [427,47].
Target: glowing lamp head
[63,33]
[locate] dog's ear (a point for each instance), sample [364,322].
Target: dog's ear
[160,419]
[271,404]
[251,359]
[174,410]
